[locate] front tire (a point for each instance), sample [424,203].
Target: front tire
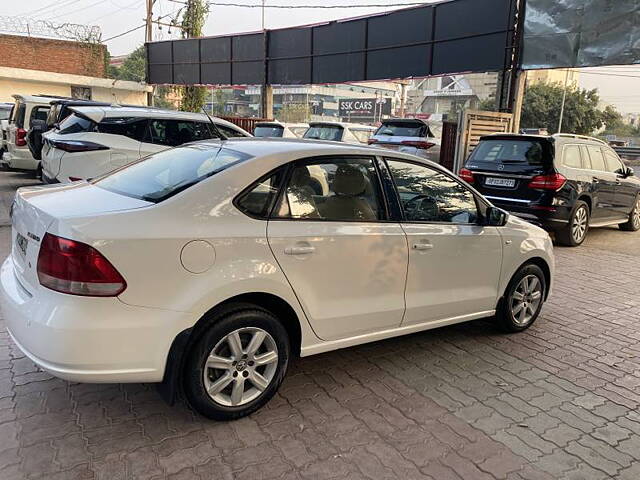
[523,299]
[633,225]
[238,363]
[576,230]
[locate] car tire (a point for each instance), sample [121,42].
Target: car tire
[576,230]
[523,299]
[633,225]
[227,380]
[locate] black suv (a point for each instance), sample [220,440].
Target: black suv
[564,183]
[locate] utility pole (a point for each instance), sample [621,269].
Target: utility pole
[564,98]
[148,37]
[267,90]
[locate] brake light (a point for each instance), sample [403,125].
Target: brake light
[21,137]
[77,145]
[553,181]
[76,268]
[466,175]
[422,145]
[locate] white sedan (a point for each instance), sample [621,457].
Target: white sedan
[206,267]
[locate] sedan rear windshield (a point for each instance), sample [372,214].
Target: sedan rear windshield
[164,174]
[324,132]
[268,131]
[404,129]
[496,152]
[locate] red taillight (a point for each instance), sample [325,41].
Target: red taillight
[74,179]
[21,137]
[422,145]
[466,175]
[77,146]
[76,268]
[554,181]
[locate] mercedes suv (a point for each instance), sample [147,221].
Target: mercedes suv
[564,183]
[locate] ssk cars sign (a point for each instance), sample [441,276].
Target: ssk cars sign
[364,107]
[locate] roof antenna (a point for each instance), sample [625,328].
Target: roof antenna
[222,136]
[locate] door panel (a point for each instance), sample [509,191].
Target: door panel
[457,274]
[349,277]
[604,186]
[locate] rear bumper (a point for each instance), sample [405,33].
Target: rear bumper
[85,339]
[537,214]
[20,159]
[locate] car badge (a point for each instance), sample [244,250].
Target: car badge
[500,167]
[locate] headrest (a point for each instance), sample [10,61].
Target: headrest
[349,181]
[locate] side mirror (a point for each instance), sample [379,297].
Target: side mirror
[496,217]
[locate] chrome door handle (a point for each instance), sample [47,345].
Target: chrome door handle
[299,250]
[422,246]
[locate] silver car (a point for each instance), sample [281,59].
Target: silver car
[410,135]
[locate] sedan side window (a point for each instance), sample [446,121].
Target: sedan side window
[342,189]
[427,195]
[257,201]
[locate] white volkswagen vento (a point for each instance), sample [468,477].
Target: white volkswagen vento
[206,267]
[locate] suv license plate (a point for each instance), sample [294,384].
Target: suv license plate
[21,243]
[500,182]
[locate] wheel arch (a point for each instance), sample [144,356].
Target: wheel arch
[544,266]
[586,199]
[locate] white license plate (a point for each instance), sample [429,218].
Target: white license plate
[500,182]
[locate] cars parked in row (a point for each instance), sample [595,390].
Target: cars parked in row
[566,183]
[26,109]
[410,135]
[208,266]
[97,139]
[339,132]
[5,113]
[277,129]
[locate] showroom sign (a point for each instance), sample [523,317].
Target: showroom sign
[364,107]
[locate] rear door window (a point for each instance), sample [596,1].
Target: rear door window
[597,159]
[571,156]
[404,129]
[178,132]
[614,164]
[511,155]
[133,128]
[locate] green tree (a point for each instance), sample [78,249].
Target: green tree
[193,20]
[134,66]
[488,105]
[614,124]
[542,104]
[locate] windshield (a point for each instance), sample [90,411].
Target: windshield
[324,132]
[404,129]
[76,124]
[268,131]
[505,151]
[159,176]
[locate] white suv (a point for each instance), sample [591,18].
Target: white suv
[26,109]
[209,265]
[97,139]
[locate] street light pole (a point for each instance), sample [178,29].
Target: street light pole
[564,98]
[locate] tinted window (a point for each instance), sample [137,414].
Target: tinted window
[19,114]
[133,128]
[76,124]
[324,132]
[257,201]
[229,132]
[572,156]
[613,163]
[427,195]
[597,159]
[404,129]
[501,151]
[268,131]
[343,189]
[177,132]
[164,174]
[39,113]
[4,113]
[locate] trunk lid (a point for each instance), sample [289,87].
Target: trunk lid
[504,165]
[35,209]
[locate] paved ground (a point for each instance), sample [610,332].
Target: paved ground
[465,402]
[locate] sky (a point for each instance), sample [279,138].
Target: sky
[619,86]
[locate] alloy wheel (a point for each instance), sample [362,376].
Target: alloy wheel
[579,225]
[526,299]
[240,367]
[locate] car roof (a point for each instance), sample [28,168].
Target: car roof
[405,120]
[41,99]
[98,113]
[556,137]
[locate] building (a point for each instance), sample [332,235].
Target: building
[555,75]
[45,66]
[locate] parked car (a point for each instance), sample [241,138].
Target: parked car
[5,113]
[339,132]
[26,109]
[58,111]
[566,183]
[95,140]
[210,265]
[410,135]
[280,130]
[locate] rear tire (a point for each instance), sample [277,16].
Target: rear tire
[238,363]
[576,230]
[633,225]
[523,299]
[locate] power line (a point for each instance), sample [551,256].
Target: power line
[124,33]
